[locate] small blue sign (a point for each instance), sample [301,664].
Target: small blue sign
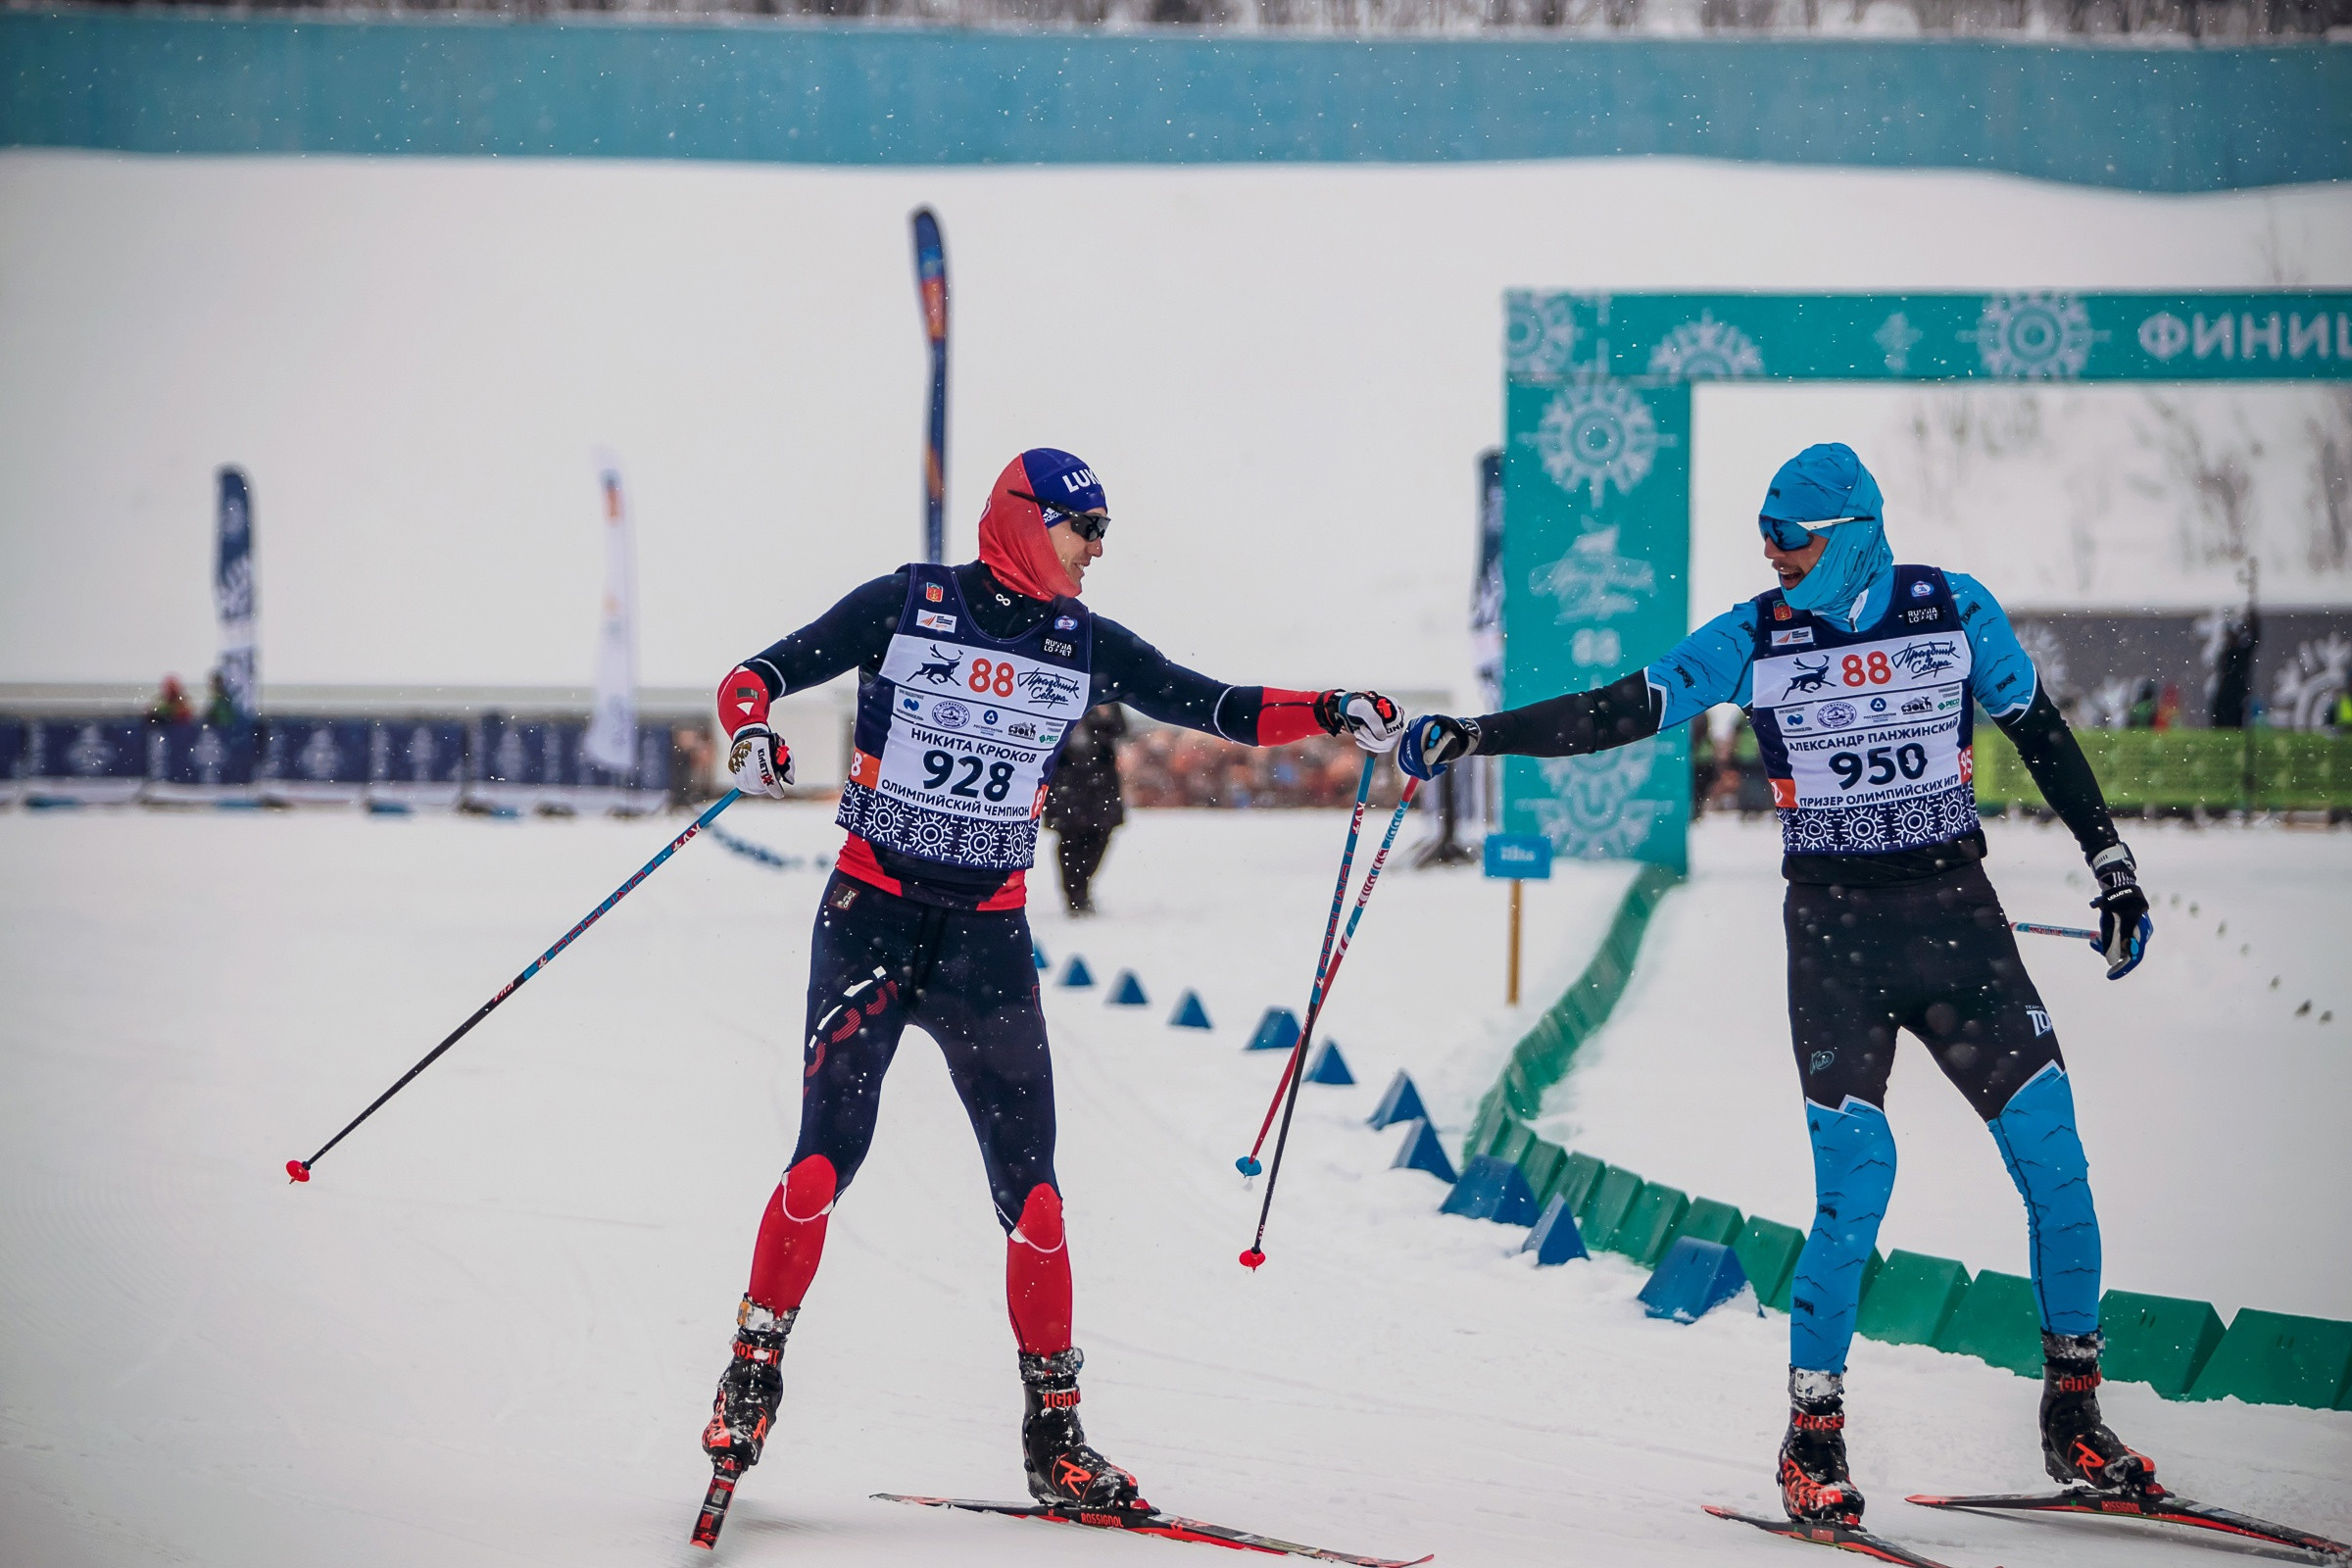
[1521,856]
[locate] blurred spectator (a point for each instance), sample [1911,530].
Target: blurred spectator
[2143,714]
[690,765]
[1083,804]
[2168,707]
[1171,766]
[170,704]
[219,710]
[2233,670]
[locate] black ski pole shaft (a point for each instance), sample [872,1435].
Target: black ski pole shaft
[1257,1255]
[299,1169]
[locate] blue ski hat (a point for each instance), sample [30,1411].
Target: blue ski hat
[1061,480]
[1826,490]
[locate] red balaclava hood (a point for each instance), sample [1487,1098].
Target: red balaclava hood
[1012,531]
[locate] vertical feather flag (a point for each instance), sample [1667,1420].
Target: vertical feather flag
[611,740]
[233,593]
[931,283]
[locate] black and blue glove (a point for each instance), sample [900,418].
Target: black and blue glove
[2123,924]
[1435,740]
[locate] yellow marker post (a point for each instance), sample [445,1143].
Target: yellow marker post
[1520,858]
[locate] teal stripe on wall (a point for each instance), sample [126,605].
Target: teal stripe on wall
[2171,119]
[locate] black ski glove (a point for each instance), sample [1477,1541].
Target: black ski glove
[2124,923]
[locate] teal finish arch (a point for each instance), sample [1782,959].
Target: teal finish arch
[1597,468]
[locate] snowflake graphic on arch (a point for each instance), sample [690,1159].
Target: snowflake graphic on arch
[2034,336]
[1540,336]
[1596,432]
[1706,350]
[1593,815]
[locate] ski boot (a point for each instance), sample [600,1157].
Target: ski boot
[749,1389]
[2076,1447]
[1062,1468]
[1814,1484]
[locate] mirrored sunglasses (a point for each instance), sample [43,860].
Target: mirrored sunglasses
[1789,535]
[1087,525]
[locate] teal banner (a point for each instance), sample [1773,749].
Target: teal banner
[190,81]
[2016,335]
[1596,582]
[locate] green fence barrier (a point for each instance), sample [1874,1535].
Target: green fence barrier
[1606,1205]
[2161,1341]
[2277,1358]
[1998,1321]
[1767,1251]
[1649,1225]
[1544,1056]
[1708,1220]
[2293,771]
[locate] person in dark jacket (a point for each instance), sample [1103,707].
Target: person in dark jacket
[1082,803]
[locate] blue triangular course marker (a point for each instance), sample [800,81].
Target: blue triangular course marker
[1189,1013]
[1278,1030]
[1127,991]
[1076,973]
[1401,1102]
[1037,954]
[1493,1189]
[1555,1238]
[1693,1277]
[1421,1150]
[1329,1066]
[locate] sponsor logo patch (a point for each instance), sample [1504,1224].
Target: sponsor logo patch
[933,592]
[1923,589]
[1784,794]
[2041,1020]
[1065,622]
[1020,729]
[1793,637]
[934,620]
[1061,650]
[1793,720]
[950,716]
[1835,716]
[1782,613]
[1878,705]
[1919,704]
[1915,616]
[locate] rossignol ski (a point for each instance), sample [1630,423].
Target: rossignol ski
[2157,1507]
[1168,1527]
[1823,1533]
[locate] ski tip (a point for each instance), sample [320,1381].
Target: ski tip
[1252,1258]
[1248,1166]
[296,1170]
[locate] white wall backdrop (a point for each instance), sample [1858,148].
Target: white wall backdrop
[1283,375]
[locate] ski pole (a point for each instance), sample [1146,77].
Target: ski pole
[2074,931]
[299,1169]
[1257,1253]
[1247,1164]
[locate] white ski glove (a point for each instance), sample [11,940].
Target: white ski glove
[759,762]
[1368,719]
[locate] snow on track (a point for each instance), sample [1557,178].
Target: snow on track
[486,1333]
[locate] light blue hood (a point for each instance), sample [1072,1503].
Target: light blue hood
[1849,586]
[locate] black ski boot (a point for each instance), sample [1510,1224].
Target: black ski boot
[1062,1468]
[1814,1484]
[2075,1445]
[749,1389]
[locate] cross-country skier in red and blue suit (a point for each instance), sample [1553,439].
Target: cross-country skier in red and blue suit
[969,679]
[1861,677]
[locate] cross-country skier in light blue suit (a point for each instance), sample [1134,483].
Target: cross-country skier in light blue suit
[1861,677]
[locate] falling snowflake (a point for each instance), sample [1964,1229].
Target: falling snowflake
[1540,336]
[1706,350]
[2034,336]
[1596,432]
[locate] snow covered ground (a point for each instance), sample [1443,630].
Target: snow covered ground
[486,1333]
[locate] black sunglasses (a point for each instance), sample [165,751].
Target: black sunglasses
[1087,525]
